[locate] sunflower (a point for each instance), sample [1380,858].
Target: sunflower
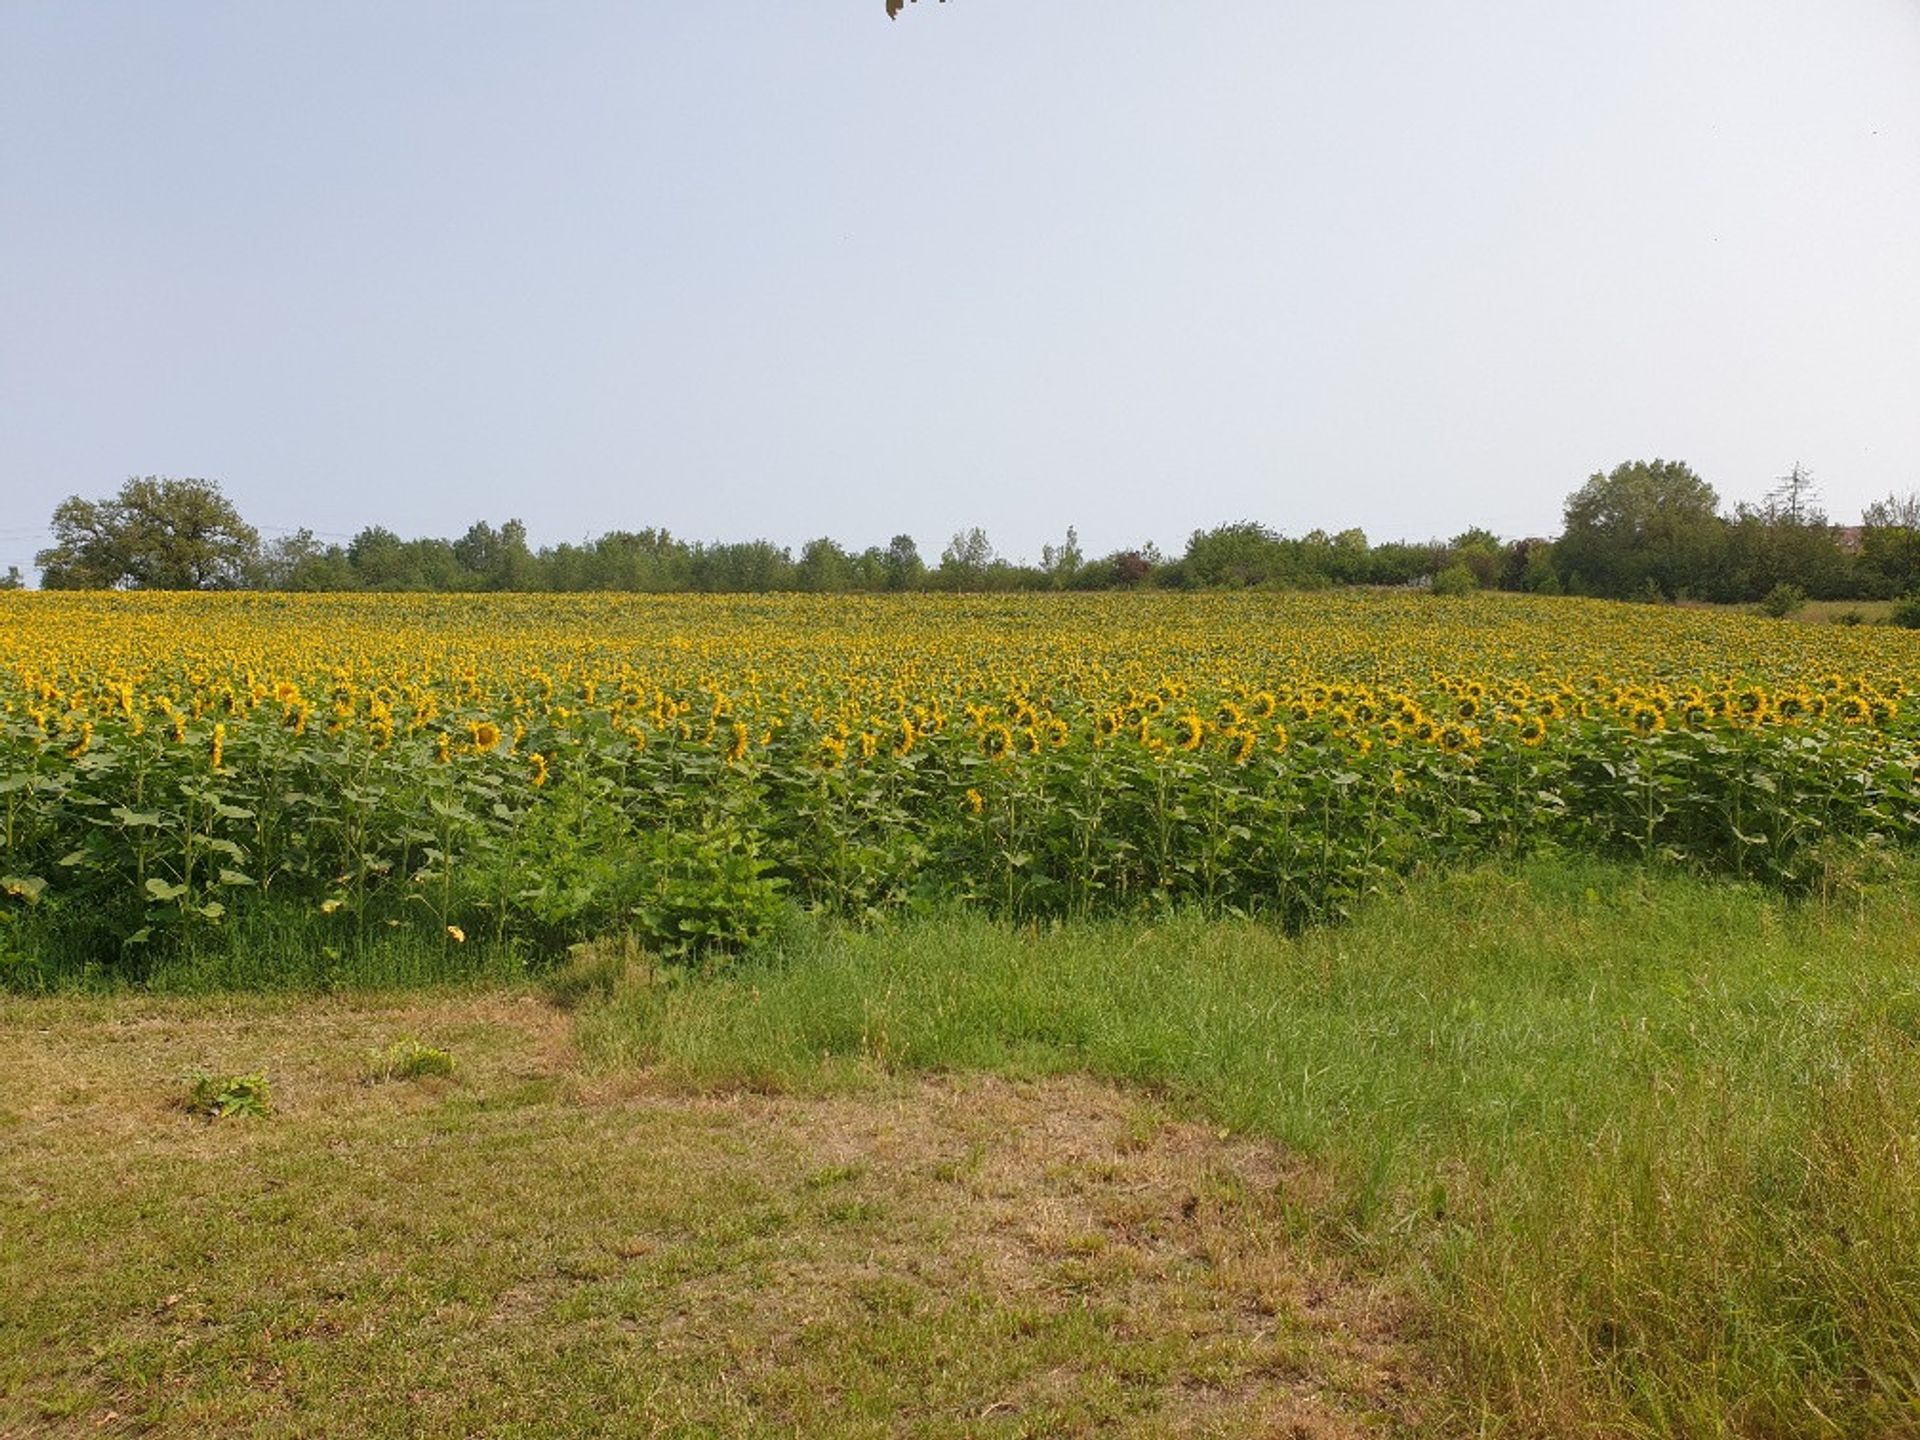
[1532,730]
[485,735]
[996,742]
[1240,748]
[1646,719]
[737,749]
[1189,730]
[537,765]
[976,802]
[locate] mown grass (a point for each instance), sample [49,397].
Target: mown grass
[516,1249]
[1645,1145]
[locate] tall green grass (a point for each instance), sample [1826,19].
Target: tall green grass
[261,948]
[1648,1147]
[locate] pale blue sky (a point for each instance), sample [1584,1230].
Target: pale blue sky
[783,269]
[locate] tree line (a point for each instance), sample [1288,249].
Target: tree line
[1645,530]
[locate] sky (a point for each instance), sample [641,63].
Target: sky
[756,269]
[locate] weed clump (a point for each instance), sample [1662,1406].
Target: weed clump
[408,1060]
[220,1097]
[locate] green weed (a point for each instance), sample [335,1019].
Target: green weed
[221,1097]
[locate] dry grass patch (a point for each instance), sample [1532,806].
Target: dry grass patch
[518,1249]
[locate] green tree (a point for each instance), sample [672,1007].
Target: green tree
[496,559]
[1062,563]
[1231,556]
[12,580]
[965,561]
[900,565]
[1890,543]
[158,533]
[1481,552]
[1647,526]
[824,567]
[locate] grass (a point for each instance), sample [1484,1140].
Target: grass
[261,949]
[1643,1145]
[522,1248]
[1816,612]
[1829,612]
[1559,1149]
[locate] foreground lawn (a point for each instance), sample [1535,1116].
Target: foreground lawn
[1556,1150]
[526,1248]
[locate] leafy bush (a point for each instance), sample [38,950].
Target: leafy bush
[706,893]
[1906,613]
[1455,579]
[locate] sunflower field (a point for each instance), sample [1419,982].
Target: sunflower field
[530,770]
